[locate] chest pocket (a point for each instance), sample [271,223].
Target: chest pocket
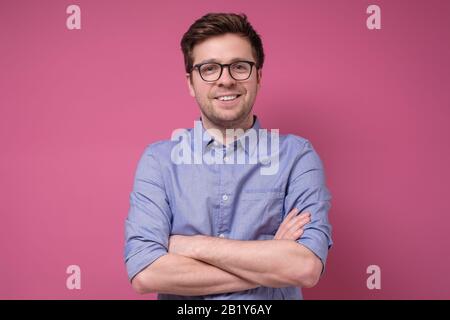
[263,211]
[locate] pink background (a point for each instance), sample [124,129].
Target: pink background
[78,107]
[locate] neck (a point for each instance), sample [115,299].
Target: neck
[219,133]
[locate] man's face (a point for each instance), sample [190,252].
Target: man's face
[223,49]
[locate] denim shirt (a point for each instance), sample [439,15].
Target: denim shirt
[225,198]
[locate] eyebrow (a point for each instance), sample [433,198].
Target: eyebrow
[217,61]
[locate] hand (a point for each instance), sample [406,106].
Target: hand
[292,226]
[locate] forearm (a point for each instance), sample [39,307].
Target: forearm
[271,263]
[176,274]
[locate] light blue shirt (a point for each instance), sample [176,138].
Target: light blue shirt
[230,200]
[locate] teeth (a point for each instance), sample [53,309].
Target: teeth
[227,98]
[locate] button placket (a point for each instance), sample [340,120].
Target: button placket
[225,197]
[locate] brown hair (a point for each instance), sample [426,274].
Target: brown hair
[214,24]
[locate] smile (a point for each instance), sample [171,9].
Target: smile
[228,98]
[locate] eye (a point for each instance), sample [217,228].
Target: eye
[209,68]
[240,67]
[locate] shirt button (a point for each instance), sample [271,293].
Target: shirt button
[224,197]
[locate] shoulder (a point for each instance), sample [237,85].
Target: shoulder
[295,143]
[300,149]
[160,149]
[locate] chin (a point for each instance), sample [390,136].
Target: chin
[229,115]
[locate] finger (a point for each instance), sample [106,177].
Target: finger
[293,235]
[286,226]
[291,214]
[300,223]
[291,221]
[303,215]
[282,228]
[297,226]
[297,234]
[280,233]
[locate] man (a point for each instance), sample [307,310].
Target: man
[206,229]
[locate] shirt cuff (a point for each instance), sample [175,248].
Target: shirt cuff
[143,259]
[317,242]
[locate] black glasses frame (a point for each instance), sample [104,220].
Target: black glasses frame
[228,65]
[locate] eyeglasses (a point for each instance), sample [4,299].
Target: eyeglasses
[211,71]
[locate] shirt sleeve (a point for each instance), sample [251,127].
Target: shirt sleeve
[148,225]
[307,192]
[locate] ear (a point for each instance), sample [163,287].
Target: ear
[258,78]
[190,85]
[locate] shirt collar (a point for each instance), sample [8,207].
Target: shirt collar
[201,133]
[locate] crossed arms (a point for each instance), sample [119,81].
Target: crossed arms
[201,265]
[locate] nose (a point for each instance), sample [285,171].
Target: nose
[226,79]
